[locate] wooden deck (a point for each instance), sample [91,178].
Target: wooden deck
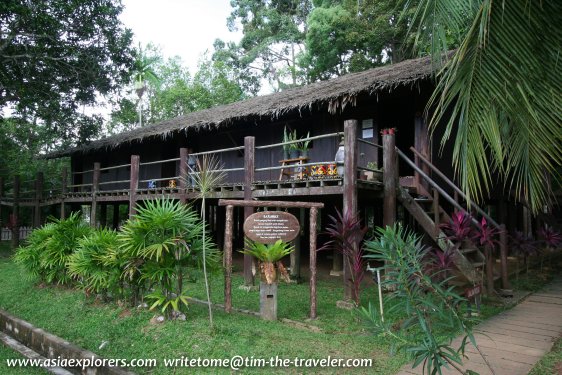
[260,189]
[515,340]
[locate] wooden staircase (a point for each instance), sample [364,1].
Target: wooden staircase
[468,259]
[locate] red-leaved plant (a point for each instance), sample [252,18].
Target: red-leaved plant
[486,236]
[459,228]
[550,238]
[345,231]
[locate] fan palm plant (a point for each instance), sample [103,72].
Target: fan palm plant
[96,262]
[159,243]
[499,93]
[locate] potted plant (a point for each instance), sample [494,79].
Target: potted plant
[271,268]
[374,173]
[291,150]
[303,145]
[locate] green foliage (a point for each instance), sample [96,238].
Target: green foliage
[48,249]
[57,57]
[159,243]
[176,92]
[499,93]
[96,264]
[430,307]
[268,252]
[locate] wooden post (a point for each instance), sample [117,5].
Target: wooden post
[503,257]
[115,216]
[421,143]
[134,184]
[184,174]
[38,198]
[64,181]
[249,171]
[95,189]
[313,217]
[16,213]
[389,179]
[296,254]
[436,216]
[1,196]
[349,190]
[103,215]
[228,260]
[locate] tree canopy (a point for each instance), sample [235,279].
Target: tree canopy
[57,56]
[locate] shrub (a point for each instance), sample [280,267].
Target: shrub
[49,248]
[96,262]
[158,244]
[430,307]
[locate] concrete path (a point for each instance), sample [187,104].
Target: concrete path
[516,339]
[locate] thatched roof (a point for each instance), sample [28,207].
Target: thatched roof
[335,92]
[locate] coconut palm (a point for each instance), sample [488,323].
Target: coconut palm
[142,72]
[499,92]
[269,257]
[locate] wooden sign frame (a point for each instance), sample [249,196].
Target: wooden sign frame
[230,204]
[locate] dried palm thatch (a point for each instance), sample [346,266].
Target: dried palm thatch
[336,93]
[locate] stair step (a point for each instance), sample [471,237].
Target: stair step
[477,264]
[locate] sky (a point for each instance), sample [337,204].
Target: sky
[185,28]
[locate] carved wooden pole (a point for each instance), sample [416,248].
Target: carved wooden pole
[228,260]
[95,189]
[133,184]
[389,179]
[184,174]
[313,217]
[63,192]
[38,198]
[249,171]
[16,213]
[349,191]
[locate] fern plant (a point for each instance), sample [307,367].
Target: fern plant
[96,263]
[431,307]
[269,257]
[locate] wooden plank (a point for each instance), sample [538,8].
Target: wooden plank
[280,204]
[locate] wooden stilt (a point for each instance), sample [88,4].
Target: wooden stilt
[349,191]
[313,217]
[115,216]
[38,199]
[95,189]
[228,260]
[16,214]
[184,174]
[389,179]
[134,184]
[63,192]
[249,170]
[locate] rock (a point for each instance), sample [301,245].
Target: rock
[157,319]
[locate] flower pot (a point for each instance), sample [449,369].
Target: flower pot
[293,154]
[285,154]
[304,153]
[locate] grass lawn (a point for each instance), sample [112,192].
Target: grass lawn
[550,363]
[67,313]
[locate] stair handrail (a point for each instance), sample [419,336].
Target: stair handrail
[432,183]
[455,187]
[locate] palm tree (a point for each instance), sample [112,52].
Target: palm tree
[498,93]
[143,72]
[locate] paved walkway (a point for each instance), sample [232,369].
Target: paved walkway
[516,339]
